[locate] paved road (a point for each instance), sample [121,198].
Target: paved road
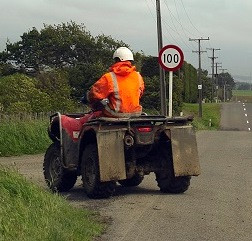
[216,207]
[237,116]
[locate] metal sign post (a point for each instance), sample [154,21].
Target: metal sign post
[170,93]
[171,58]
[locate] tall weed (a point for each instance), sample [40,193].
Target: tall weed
[23,137]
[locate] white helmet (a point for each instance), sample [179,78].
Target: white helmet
[123,53]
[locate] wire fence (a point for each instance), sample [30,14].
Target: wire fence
[26,116]
[29,116]
[23,116]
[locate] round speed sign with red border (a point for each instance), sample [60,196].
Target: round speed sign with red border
[171,57]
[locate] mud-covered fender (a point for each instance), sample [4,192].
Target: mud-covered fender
[110,144]
[184,150]
[68,144]
[111,154]
[55,127]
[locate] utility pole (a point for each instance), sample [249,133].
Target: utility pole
[224,87]
[199,73]
[213,57]
[161,70]
[217,65]
[250,81]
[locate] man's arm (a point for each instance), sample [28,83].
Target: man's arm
[100,90]
[141,86]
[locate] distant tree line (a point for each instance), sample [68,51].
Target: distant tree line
[50,69]
[243,86]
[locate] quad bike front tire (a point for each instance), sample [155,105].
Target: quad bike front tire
[57,178]
[132,182]
[166,180]
[94,188]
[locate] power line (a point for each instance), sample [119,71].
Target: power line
[181,39]
[178,21]
[175,41]
[189,17]
[172,16]
[193,25]
[150,10]
[176,10]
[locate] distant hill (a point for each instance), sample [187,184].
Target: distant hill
[240,78]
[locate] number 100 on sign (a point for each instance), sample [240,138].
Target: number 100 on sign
[171,58]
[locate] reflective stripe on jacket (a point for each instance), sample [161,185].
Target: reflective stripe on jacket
[123,86]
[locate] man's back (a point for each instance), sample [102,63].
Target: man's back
[123,86]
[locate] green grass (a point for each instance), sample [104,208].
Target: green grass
[23,137]
[29,213]
[242,92]
[210,115]
[30,137]
[242,96]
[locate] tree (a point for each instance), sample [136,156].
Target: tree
[177,98]
[150,66]
[6,69]
[105,47]
[18,93]
[55,84]
[67,46]
[82,76]
[54,46]
[151,97]
[189,77]
[225,81]
[243,86]
[70,48]
[226,78]
[184,84]
[207,86]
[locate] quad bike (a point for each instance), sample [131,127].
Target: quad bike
[105,151]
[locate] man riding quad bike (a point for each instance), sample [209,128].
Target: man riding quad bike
[118,143]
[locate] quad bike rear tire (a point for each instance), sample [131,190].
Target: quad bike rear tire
[132,182]
[167,182]
[94,188]
[57,178]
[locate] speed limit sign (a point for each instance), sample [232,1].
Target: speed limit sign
[171,57]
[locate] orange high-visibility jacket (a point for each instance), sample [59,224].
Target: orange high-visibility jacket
[123,87]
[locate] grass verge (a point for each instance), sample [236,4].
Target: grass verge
[242,92]
[211,114]
[29,213]
[23,137]
[242,95]
[30,137]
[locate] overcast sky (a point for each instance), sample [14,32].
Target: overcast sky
[228,24]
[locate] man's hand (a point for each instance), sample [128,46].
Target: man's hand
[99,104]
[104,101]
[84,99]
